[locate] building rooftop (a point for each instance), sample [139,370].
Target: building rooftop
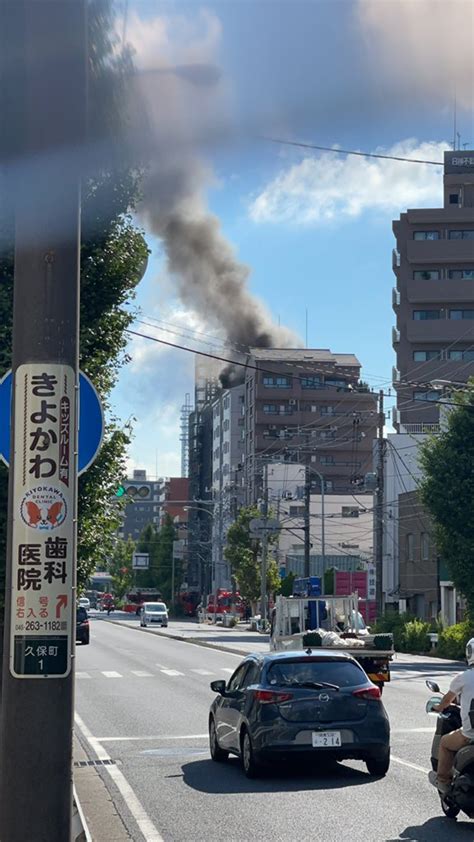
[302,355]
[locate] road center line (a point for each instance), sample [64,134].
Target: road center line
[136,809]
[155,737]
[410,765]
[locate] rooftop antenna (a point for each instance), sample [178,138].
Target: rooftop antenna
[306,329]
[459,139]
[454,122]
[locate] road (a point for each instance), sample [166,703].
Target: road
[142,705]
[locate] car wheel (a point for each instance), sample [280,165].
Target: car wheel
[250,764]
[165,625]
[378,766]
[144,625]
[217,753]
[449,809]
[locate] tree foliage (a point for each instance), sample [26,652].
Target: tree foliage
[244,555]
[447,490]
[159,546]
[120,567]
[113,256]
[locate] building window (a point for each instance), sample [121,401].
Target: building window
[423,356]
[277,382]
[465,234]
[226,447]
[461,314]
[425,546]
[335,381]
[454,198]
[425,315]
[426,275]
[328,485]
[410,547]
[432,395]
[327,434]
[310,382]
[270,409]
[461,274]
[296,511]
[326,460]
[461,355]
[426,235]
[350,511]
[327,410]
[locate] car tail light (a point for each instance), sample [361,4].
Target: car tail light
[272,697]
[368,693]
[84,622]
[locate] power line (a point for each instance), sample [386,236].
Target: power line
[352,152]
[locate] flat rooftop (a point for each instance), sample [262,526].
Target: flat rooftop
[303,355]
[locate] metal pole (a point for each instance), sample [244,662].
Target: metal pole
[217,557]
[263,585]
[323,528]
[379,508]
[48,52]
[307,522]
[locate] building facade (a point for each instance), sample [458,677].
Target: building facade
[309,407]
[433,297]
[144,506]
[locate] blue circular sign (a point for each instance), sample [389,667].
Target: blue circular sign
[91,421]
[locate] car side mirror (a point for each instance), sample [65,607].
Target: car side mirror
[218,686]
[433,686]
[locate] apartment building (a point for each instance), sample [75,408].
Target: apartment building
[310,407]
[433,297]
[144,506]
[228,439]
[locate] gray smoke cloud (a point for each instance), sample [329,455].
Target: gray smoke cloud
[185,99]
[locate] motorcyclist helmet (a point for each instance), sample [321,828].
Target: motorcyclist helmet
[470,652]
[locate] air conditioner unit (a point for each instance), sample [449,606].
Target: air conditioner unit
[272,427]
[288,495]
[292,401]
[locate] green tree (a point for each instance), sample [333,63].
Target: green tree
[120,567]
[159,546]
[447,490]
[149,543]
[244,555]
[113,256]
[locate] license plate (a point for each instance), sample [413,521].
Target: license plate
[326,739]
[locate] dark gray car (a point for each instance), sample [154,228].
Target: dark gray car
[316,702]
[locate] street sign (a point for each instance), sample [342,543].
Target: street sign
[42,627]
[371,581]
[178,549]
[260,526]
[140,561]
[91,421]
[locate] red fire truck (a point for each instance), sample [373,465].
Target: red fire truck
[227,602]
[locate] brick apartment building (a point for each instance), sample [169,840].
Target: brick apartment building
[308,406]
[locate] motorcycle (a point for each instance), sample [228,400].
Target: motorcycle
[461,793]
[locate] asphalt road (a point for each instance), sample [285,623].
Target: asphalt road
[142,704]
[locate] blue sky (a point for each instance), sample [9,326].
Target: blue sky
[314,228]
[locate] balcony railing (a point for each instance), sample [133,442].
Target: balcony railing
[395,336]
[422,428]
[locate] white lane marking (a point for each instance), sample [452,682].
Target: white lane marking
[138,812]
[156,737]
[142,674]
[111,674]
[202,672]
[226,669]
[410,765]
[172,672]
[82,675]
[162,666]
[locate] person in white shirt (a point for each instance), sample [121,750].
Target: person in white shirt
[461,688]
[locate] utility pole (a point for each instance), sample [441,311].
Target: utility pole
[307,521]
[46,56]
[263,588]
[379,501]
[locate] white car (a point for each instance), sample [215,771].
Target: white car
[84,602]
[154,612]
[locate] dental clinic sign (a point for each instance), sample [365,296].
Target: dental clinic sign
[42,626]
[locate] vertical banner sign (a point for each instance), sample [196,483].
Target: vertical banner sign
[371,581]
[43,546]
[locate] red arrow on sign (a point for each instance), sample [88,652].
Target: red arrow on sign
[61,603]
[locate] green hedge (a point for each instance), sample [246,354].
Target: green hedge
[452,641]
[409,633]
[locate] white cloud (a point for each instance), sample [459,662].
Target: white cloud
[320,189]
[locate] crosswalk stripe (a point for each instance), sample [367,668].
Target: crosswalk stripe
[226,669]
[111,674]
[202,672]
[82,675]
[172,672]
[142,674]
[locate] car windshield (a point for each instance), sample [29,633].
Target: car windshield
[155,606]
[307,673]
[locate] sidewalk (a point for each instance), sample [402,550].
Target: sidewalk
[102,819]
[239,640]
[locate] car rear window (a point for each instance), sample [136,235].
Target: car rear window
[342,673]
[81,615]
